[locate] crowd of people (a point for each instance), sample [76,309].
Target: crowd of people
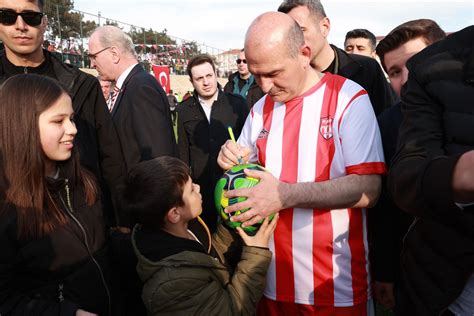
[106,184]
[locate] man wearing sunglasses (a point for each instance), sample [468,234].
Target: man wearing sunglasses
[22,26]
[242,82]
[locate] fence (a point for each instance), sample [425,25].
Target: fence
[69,29]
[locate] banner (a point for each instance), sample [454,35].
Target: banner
[162,74]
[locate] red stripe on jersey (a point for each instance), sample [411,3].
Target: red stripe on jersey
[358,262]
[285,283]
[322,222]
[367,168]
[267,124]
[358,94]
[267,307]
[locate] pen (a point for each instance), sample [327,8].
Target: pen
[231,133]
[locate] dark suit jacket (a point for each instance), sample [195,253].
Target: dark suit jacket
[142,118]
[199,142]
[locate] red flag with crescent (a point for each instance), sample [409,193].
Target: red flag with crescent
[162,74]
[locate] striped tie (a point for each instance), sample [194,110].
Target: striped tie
[112,99]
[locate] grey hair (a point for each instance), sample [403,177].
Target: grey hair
[294,40]
[110,35]
[315,7]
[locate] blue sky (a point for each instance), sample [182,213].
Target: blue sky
[222,24]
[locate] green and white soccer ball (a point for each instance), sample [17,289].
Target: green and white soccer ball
[235,178]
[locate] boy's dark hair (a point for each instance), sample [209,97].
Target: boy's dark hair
[153,187]
[362,33]
[427,29]
[199,60]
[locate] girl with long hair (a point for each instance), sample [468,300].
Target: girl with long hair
[52,233]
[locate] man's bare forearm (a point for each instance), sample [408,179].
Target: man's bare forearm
[352,191]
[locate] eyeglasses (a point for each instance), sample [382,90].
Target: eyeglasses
[241,61]
[9,17]
[93,56]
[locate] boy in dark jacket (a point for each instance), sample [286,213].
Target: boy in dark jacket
[183,267]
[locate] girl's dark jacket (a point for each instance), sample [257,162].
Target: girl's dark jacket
[61,272]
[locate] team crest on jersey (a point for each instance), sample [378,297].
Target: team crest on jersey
[325,127]
[263,133]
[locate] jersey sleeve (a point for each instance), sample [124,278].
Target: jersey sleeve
[360,138]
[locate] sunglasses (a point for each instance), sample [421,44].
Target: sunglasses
[241,61]
[9,17]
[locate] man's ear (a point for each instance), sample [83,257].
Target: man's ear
[44,23]
[115,54]
[325,26]
[173,215]
[306,51]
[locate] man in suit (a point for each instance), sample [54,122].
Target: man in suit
[140,110]
[141,115]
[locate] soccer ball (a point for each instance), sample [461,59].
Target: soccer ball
[235,178]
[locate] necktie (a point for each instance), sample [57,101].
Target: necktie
[115,93]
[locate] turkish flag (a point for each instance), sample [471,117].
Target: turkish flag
[162,74]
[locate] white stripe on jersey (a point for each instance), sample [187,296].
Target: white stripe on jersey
[274,165]
[356,141]
[303,218]
[341,258]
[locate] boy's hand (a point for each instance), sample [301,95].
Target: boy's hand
[263,235]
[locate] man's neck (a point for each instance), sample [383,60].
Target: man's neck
[124,65]
[324,59]
[27,60]
[209,100]
[312,78]
[245,77]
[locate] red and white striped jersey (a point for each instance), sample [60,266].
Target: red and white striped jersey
[320,256]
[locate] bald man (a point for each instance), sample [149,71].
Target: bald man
[315,24]
[317,136]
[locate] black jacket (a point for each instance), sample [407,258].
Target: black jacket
[199,142]
[96,139]
[56,274]
[387,222]
[253,95]
[438,254]
[368,73]
[142,116]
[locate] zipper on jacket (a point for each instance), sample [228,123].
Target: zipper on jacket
[410,228]
[60,291]
[70,211]
[25,70]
